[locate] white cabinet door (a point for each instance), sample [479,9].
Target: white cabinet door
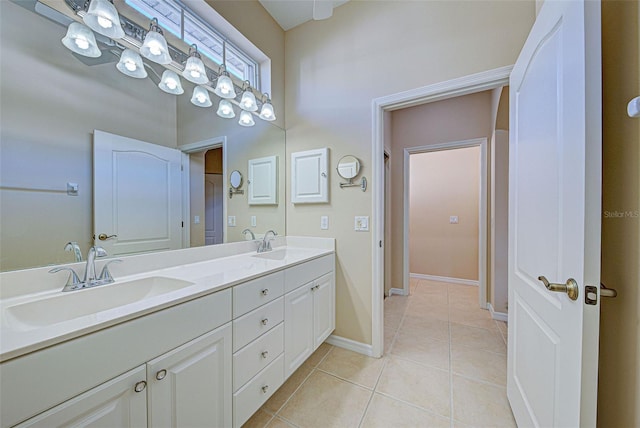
[191,385]
[310,176]
[324,318]
[137,195]
[262,181]
[112,404]
[298,328]
[554,218]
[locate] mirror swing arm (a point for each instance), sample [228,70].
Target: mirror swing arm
[350,183]
[348,168]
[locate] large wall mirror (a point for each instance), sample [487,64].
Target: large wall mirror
[51,104]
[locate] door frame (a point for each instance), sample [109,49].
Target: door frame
[381,107]
[482,210]
[202,146]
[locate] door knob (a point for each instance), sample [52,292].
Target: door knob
[570,287]
[104,236]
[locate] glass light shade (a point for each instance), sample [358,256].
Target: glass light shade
[248,101]
[155,48]
[267,113]
[170,83]
[81,40]
[194,71]
[131,64]
[225,109]
[246,119]
[102,17]
[200,97]
[224,87]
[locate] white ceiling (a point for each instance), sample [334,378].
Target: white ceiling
[291,13]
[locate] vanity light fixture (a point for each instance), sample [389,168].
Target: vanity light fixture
[225,109]
[155,46]
[131,64]
[81,40]
[266,112]
[170,83]
[102,17]
[200,97]
[248,100]
[224,85]
[246,119]
[194,70]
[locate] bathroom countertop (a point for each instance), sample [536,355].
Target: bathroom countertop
[18,338]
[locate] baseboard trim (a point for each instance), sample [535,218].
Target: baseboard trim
[445,279]
[398,291]
[351,345]
[499,316]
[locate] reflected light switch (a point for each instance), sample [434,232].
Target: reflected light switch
[196,219]
[453,219]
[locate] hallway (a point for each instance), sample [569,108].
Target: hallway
[444,366]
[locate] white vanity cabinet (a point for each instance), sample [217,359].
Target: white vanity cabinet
[189,386]
[309,310]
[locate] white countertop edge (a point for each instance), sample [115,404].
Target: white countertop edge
[15,343]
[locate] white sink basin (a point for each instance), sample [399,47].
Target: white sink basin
[275,254]
[74,304]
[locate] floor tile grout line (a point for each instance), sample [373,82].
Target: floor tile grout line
[408,403]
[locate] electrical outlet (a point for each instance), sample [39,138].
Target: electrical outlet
[231,221]
[253,221]
[361,223]
[324,222]
[453,219]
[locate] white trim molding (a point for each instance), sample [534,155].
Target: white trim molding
[351,345]
[498,316]
[460,281]
[397,291]
[473,83]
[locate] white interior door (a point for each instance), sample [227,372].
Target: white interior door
[213,201]
[554,217]
[137,195]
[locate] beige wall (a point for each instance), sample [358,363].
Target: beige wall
[442,184]
[451,120]
[619,378]
[51,103]
[196,198]
[334,69]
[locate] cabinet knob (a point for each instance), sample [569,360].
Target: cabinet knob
[161,374]
[265,291]
[265,321]
[140,386]
[265,354]
[265,389]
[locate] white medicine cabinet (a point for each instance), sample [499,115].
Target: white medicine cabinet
[263,181]
[309,176]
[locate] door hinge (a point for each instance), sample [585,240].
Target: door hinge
[590,295]
[380,244]
[182,224]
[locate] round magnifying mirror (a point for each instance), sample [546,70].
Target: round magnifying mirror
[236,179]
[348,167]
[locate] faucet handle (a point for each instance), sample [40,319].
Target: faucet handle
[73,282]
[100,252]
[105,275]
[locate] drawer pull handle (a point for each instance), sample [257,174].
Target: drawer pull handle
[140,386]
[265,354]
[265,291]
[264,321]
[315,287]
[161,374]
[265,389]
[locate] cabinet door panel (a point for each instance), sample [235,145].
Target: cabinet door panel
[324,312]
[191,385]
[112,404]
[298,327]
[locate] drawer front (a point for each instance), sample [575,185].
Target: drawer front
[257,355]
[257,391]
[257,322]
[252,294]
[307,272]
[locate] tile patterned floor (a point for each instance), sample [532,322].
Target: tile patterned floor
[445,365]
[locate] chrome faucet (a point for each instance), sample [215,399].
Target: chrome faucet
[75,248]
[90,278]
[265,245]
[247,230]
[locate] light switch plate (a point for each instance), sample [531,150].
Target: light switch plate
[231,221]
[253,221]
[324,222]
[196,219]
[453,219]
[361,223]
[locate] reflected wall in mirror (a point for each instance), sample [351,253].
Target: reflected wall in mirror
[51,103]
[348,167]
